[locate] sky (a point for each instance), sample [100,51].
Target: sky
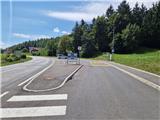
[23,20]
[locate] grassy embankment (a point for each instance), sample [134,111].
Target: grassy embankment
[13,61]
[145,59]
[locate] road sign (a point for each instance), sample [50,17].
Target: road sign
[112,50]
[72,57]
[79,48]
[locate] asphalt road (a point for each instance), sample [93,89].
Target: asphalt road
[13,75]
[98,91]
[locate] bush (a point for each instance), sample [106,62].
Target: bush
[35,53]
[43,52]
[25,50]
[9,59]
[14,57]
[23,56]
[4,57]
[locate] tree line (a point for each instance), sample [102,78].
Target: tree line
[124,30]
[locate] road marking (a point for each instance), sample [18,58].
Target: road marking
[137,69]
[98,64]
[3,94]
[147,82]
[32,111]
[3,71]
[38,97]
[55,88]
[36,75]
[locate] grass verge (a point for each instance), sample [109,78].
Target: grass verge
[15,62]
[145,59]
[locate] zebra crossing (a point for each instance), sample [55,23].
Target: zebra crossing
[37,111]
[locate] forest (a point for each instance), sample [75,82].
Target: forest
[124,29]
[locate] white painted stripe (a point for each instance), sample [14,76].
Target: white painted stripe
[3,71]
[147,82]
[39,97]
[93,63]
[36,75]
[3,94]
[32,111]
[138,69]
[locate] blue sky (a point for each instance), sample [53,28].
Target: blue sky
[23,20]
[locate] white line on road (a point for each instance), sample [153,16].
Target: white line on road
[3,94]
[32,111]
[137,69]
[3,71]
[38,97]
[36,75]
[147,82]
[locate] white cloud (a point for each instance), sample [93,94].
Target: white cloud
[20,35]
[147,3]
[92,9]
[28,36]
[71,16]
[56,29]
[65,32]
[87,12]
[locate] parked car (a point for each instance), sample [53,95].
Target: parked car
[61,56]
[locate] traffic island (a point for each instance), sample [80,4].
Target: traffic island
[53,78]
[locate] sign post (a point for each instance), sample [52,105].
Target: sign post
[111,55]
[79,49]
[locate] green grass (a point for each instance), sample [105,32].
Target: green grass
[15,62]
[145,59]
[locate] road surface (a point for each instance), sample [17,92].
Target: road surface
[98,91]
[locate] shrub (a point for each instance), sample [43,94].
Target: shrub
[4,57]
[23,56]
[9,59]
[14,57]
[25,50]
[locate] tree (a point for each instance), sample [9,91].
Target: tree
[88,48]
[77,33]
[123,16]
[151,27]
[100,34]
[127,41]
[51,46]
[130,36]
[109,11]
[65,45]
[138,14]
[124,9]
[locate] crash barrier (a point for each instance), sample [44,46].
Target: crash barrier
[73,58]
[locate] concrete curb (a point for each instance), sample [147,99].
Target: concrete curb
[55,88]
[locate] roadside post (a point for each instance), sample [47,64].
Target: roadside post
[111,55]
[112,51]
[79,49]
